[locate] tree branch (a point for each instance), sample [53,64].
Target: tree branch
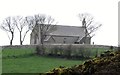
[25,35]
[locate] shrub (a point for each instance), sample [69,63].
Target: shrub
[102,65]
[40,49]
[81,52]
[55,50]
[96,53]
[68,51]
[37,50]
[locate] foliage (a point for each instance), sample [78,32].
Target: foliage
[40,50]
[68,51]
[109,64]
[73,53]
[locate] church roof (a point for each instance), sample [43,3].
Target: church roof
[68,31]
[65,31]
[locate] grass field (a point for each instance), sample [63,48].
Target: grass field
[35,64]
[25,61]
[22,61]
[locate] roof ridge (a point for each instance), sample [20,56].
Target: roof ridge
[70,26]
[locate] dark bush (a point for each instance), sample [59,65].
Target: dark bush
[111,47]
[68,51]
[40,49]
[107,65]
[81,52]
[55,50]
[37,50]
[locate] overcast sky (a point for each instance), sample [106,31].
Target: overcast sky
[65,12]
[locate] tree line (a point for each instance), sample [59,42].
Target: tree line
[45,22]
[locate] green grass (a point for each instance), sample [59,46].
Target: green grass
[17,52]
[35,64]
[0,60]
[24,60]
[20,61]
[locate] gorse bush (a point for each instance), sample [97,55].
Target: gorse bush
[109,64]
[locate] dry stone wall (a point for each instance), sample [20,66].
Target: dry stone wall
[61,45]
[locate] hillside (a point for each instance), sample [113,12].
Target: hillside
[107,64]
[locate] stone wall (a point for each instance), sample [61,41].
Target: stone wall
[19,46]
[61,45]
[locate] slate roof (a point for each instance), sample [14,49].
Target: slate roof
[62,30]
[68,31]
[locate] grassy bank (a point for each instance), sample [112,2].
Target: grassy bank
[25,61]
[107,64]
[35,64]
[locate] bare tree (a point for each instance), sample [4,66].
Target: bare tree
[43,24]
[22,25]
[9,26]
[89,24]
